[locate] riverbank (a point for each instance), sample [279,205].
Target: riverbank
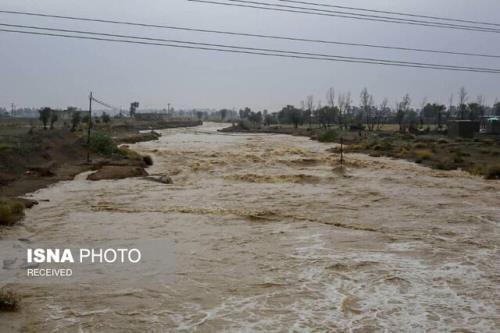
[33,158]
[478,156]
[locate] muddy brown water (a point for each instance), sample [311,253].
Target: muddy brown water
[271,237]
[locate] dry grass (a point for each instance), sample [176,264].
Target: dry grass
[423,154]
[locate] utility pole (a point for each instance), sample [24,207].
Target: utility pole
[89,127]
[341,151]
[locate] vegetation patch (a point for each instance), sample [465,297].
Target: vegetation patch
[8,300]
[493,172]
[329,135]
[101,143]
[11,211]
[423,154]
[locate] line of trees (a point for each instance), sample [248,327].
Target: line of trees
[49,117]
[340,110]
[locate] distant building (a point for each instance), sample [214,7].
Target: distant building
[490,125]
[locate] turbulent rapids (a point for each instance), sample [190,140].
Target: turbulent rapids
[270,238]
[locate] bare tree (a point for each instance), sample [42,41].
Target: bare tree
[481,100]
[402,110]
[310,108]
[367,108]
[344,101]
[381,112]
[330,97]
[342,105]
[421,113]
[332,110]
[450,105]
[462,99]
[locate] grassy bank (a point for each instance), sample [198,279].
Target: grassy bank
[479,156]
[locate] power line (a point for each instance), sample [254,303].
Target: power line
[240,47]
[395,19]
[262,53]
[328,13]
[246,48]
[248,34]
[104,103]
[391,12]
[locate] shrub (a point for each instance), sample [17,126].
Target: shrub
[420,145]
[423,154]
[10,212]
[103,144]
[445,166]
[328,136]
[8,300]
[493,172]
[5,214]
[17,208]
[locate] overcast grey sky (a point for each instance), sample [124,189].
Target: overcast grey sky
[46,71]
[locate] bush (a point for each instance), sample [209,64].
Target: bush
[420,145]
[103,144]
[423,154]
[5,214]
[493,172]
[8,300]
[445,166]
[10,212]
[328,136]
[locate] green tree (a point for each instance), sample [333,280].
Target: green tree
[45,114]
[291,115]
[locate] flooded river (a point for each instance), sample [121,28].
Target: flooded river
[271,237]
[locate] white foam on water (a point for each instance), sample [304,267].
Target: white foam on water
[373,291]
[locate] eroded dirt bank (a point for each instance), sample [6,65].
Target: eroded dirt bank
[270,239]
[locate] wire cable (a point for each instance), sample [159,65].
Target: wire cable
[391,12]
[256,52]
[229,33]
[241,47]
[348,15]
[105,104]
[395,19]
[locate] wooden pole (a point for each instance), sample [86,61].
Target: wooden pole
[89,127]
[341,151]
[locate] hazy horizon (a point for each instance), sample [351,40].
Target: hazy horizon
[60,72]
